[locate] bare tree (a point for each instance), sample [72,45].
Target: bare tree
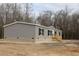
[7,12]
[1,20]
[17,12]
[62,20]
[28,12]
[45,18]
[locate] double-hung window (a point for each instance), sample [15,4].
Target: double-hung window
[41,31]
[49,32]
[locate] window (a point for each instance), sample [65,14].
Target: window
[59,34]
[49,32]
[55,32]
[41,31]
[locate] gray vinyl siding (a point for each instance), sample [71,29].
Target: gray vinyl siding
[28,32]
[57,31]
[20,31]
[42,38]
[39,37]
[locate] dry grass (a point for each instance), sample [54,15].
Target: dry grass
[24,49]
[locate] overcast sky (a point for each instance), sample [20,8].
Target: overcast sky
[39,7]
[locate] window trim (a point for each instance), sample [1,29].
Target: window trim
[41,31]
[59,33]
[50,32]
[55,33]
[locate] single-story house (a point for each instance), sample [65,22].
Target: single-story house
[23,31]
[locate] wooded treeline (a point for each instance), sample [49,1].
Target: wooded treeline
[62,19]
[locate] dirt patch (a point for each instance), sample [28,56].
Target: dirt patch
[24,49]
